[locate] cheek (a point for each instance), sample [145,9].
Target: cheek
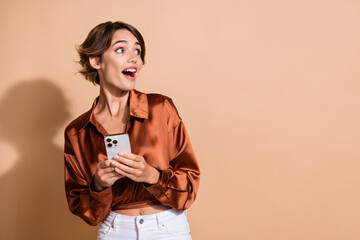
[140,65]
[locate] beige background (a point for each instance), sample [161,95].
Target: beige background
[269,92]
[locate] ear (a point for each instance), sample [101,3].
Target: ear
[95,62]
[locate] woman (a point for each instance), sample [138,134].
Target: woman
[138,195]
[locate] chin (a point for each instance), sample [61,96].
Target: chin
[127,87]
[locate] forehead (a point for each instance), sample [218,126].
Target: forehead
[123,34]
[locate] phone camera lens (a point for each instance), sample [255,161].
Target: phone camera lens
[108,140]
[109,145]
[115,142]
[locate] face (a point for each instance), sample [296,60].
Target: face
[121,63]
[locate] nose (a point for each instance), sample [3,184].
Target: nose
[132,57]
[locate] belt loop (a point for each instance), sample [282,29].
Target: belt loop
[159,221]
[115,223]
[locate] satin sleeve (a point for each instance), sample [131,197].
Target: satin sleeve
[93,207]
[178,184]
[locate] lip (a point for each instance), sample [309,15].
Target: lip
[131,77]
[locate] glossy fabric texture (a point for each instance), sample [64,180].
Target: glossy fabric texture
[157,133]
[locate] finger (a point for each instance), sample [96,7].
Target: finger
[125,174]
[107,178]
[126,169]
[129,162]
[106,170]
[130,156]
[115,178]
[107,164]
[112,174]
[109,182]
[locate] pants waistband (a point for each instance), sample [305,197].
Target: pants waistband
[119,220]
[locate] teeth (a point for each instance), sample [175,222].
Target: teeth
[130,70]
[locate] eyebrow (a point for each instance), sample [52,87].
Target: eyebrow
[124,41]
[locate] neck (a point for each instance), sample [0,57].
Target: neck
[112,103]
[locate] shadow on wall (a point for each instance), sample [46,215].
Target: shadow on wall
[33,203]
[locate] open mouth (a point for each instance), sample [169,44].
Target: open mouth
[129,72]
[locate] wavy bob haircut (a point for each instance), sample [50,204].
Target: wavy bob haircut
[98,41]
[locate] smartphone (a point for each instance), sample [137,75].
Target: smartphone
[116,143]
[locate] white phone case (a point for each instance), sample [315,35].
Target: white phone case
[117,143]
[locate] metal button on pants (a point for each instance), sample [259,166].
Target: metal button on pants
[169,224]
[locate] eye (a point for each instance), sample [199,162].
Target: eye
[119,50]
[137,51]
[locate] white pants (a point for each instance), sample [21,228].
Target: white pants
[169,224]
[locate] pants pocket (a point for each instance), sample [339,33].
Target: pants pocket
[104,231]
[178,226]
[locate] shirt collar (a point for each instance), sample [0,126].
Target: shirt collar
[139,108]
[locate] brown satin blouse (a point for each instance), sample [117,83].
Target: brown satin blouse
[158,134]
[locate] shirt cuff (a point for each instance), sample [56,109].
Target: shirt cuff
[161,186]
[103,195]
